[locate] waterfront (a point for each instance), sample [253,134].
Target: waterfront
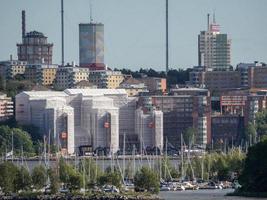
[202,195]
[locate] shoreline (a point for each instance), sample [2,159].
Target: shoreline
[248,194]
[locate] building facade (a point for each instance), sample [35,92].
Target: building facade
[91,44]
[35,49]
[41,74]
[106,78]
[155,84]
[133,86]
[9,69]
[6,107]
[181,112]
[149,127]
[99,118]
[69,76]
[214,48]
[215,80]
[257,76]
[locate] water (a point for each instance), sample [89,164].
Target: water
[201,195]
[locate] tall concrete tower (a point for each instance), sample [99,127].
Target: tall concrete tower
[91,44]
[214,48]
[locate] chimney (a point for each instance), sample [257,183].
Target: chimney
[23,23]
[11,57]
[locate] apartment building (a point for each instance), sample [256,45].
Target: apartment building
[181,112]
[69,76]
[133,86]
[41,74]
[106,78]
[9,69]
[6,107]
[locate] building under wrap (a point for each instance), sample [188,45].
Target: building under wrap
[77,117]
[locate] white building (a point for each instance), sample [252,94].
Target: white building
[149,127]
[96,117]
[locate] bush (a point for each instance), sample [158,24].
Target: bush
[39,176]
[146,179]
[254,174]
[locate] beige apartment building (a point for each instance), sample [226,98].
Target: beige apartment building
[41,74]
[6,107]
[9,69]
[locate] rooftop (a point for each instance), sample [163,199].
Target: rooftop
[34,34]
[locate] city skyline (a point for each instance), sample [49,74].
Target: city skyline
[129,42]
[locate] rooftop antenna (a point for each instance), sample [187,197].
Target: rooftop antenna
[91,13]
[62,34]
[23,23]
[208,21]
[214,20]
[167,37]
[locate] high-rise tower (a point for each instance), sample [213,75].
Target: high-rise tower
[214,48]
[91,44]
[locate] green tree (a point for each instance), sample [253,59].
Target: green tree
[250,133]
[146,179]
[23,179]
[91,171]
[261,122]
[8,172]
[69,176]
[20,139]
[111,178]
[39,176]
[189,136]
[54,181]
[254,174]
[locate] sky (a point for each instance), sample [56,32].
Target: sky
[135,29]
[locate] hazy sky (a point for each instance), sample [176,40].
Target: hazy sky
[135,29]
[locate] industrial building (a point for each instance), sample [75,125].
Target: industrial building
[95,117]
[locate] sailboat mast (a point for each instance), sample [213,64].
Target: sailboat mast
[123,155]
[12,146]
[182,157]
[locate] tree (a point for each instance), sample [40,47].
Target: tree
[75,180]
[39,176]
[189,136]
[67,174]
[111,178]
[254,173]
[54,181]
[146,179]
[21,139]
[8,172]
[250,133]
[261,122]
[23,179]
[89,168]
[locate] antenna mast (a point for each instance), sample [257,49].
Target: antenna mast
[62,33]
[91,13]
[23,24]
[167,37]
[208,21]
